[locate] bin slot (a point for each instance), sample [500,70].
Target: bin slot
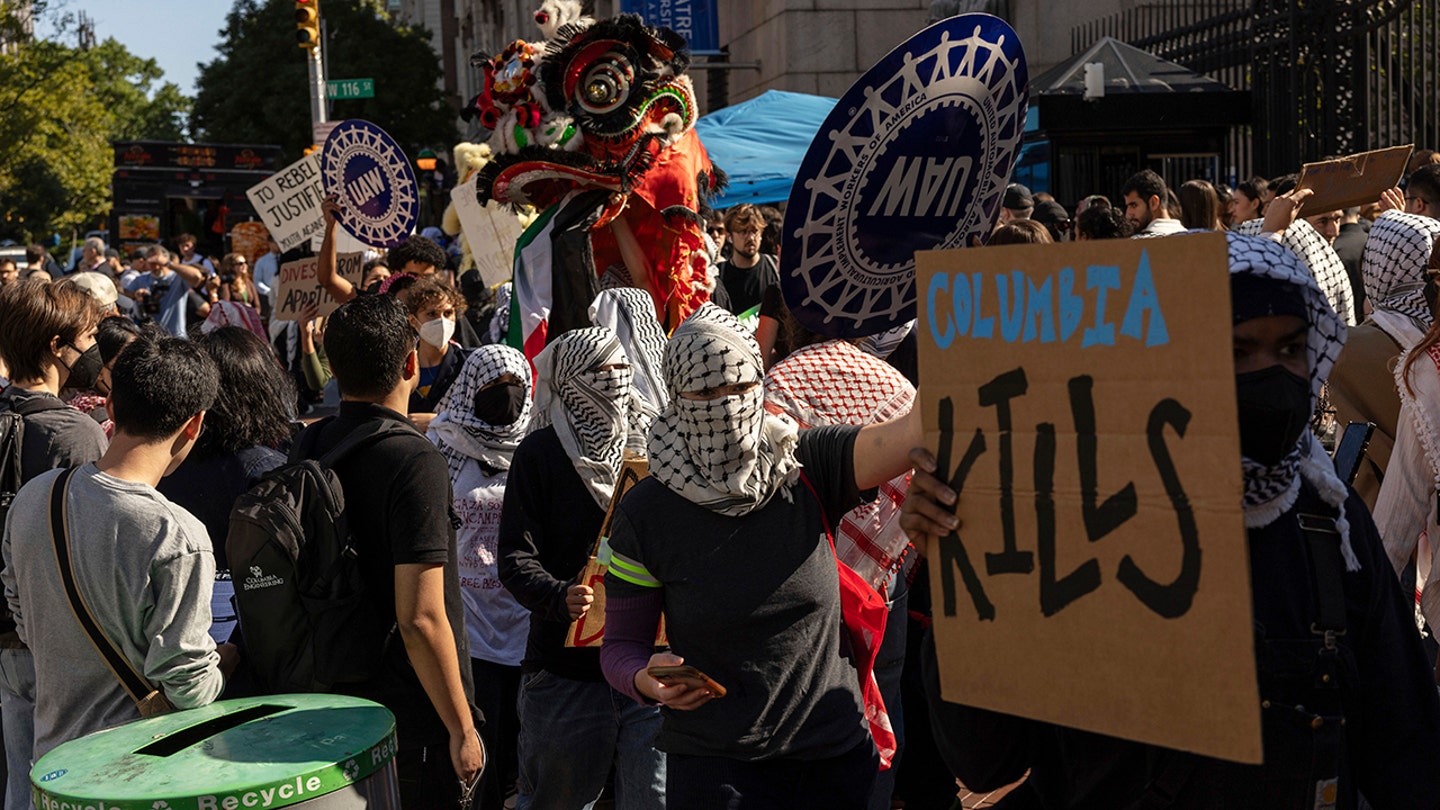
[200,732]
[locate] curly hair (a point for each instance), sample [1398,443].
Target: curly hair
[428,291]
[416,249]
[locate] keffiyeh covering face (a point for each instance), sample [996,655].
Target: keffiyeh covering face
[463,435]
[726,454]
[588,406]
[1270,491]
[630,313]
[1396,253]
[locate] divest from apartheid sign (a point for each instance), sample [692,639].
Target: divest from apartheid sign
[1081,400]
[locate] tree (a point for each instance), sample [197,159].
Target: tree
[257,91]
[60,106]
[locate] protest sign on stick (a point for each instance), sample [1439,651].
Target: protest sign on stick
[299,287]
[1081,400]
[589,630]
[491,230]
[1352,180]
[288,202]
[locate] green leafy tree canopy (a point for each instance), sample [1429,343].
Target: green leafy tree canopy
[60,107]
[257,90]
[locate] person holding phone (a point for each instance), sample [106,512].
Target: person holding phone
[728,540]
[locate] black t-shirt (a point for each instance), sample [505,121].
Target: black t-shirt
[745,287]
[754,602]
[398,504]
[548,527]
[207,486]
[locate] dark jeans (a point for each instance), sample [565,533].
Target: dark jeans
[427,778]
[497,687]
[718,783]
[889,667]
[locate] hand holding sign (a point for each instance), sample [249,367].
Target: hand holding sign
[364,166]
[1089,436]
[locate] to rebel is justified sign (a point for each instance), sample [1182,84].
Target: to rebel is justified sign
[299,286]
[1081,400]
[288,201]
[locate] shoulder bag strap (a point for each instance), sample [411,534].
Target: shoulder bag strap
[147,698]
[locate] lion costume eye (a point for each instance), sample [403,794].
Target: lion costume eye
[606,84]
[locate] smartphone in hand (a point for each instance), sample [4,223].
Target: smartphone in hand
[687,675]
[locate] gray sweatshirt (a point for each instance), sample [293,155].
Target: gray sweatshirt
[145,568]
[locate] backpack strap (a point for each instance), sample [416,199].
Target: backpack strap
[149,700]
[304,447]
[1322,536]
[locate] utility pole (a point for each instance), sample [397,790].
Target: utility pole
[307,36]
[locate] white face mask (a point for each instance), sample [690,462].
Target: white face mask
[437,332]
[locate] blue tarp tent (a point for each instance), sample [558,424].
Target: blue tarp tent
[761,142]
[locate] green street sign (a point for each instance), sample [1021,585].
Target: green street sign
[341,89]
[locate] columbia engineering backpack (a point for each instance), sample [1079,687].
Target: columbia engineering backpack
[299,592]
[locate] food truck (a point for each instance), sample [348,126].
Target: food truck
[162,189]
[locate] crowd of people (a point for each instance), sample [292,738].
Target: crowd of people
[143,398]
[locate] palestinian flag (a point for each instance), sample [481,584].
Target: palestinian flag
[555,277]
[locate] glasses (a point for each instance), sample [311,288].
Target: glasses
[1415,197]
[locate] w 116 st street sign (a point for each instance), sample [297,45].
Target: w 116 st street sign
[341,89]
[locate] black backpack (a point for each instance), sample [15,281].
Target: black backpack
[299,593]
[12,440]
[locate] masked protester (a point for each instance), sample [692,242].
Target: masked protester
[47,340]
[433,307]
[629,312]
[1348,706]
[573,727]
[481,421]
[1363,386]
[729,537]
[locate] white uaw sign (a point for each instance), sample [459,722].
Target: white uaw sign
[916,156]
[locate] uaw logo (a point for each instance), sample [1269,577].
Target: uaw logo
[371,175]
[916,156]
[259,580]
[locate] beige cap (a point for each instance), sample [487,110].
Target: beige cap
[98,285]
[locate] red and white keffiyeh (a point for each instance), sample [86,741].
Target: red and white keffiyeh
[836,383]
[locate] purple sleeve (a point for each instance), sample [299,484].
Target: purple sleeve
[630,625]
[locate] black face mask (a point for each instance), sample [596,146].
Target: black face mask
[500,405]
[86,368]
[1274,410]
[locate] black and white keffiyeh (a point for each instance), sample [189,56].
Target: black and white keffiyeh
[629,312]
[500,320]
[726,454]
[1320,259]
[1271,491]
[465,436]
[588,406]
[884,344]
[1393,266]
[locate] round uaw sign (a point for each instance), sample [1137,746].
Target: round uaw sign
[915,156]
[370,174]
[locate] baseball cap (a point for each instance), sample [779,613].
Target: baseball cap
[1017,197]
[97,286]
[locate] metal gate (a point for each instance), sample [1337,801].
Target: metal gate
[1326,77]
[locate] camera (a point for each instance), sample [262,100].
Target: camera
[153,299]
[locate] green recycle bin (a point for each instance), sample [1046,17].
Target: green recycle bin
[319,752]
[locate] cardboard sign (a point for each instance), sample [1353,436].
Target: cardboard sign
[1081,399]
[589,630]
[1355,180]
[298,286]
[915,156]
[368,171]
[491,231]
[288,202]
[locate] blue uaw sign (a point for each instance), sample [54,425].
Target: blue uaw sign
[370,174]
[915,156]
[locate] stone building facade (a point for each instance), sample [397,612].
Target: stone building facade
[808,46]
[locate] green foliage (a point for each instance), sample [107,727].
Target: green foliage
[59,109]
[257,91]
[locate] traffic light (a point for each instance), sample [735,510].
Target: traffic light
[307,23]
